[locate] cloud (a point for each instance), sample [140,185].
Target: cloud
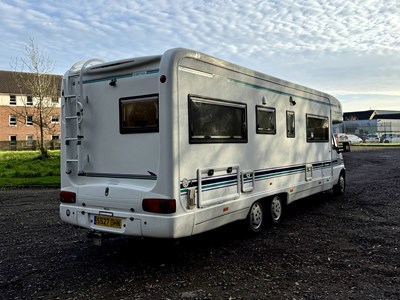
[335,45]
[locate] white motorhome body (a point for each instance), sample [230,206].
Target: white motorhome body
[173,145]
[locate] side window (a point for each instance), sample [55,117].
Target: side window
[266,120]
[216,121]
[317,129]
[138,114]
[290,124]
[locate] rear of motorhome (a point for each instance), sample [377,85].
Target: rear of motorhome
[174,145]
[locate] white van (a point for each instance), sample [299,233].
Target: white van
[177,144]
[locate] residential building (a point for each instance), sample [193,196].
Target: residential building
[19,111]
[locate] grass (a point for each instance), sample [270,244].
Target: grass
[28,168]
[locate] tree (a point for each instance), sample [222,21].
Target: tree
[33,77]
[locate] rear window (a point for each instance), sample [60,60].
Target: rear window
[138,114]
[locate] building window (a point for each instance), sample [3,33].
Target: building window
[29,100]
[55,119]
[55,137]
[29,140]
[13,120]
[290,124]
[317,129]
[54,100]
[266,120]
[216,121]
[138,114]
[13,140]
[29,120]
[13,100]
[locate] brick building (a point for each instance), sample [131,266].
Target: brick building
[19,112]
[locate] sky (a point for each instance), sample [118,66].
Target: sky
[349,49]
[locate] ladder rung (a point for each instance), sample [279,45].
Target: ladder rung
[78,137]
[72,160]
[71,117]
[69,96]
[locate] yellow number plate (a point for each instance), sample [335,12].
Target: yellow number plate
[107,221]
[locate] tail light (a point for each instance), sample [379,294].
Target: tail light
[67,197]
[159,206]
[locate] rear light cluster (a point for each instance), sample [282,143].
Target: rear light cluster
[67,197]
[159,206]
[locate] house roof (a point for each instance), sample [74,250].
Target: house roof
[371,115]
[9,82]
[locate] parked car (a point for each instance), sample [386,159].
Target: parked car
[351,138]
[372,138]
[384,136]
[392,138]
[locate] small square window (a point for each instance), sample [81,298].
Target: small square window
[54,99]
[266,120]
[138,114]
[29,100]
[55,119]
[55,137]
[317,128]
[13,100]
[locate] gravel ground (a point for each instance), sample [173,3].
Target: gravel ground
[325,248]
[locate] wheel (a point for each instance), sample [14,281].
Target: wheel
[255,218]
[275,210]
[340,187]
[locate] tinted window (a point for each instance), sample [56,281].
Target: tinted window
[139,114]
[215,121]
[266,120]
[290,124]
[317,129]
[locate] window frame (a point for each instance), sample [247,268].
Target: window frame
[309,140]
[127,130]
[12,123]
[55,119]
[215,140]
[266,109]
[13,140]
[29,122]
[13,100]
[29,100]
[289,134]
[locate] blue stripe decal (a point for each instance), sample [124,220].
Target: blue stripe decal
[224,181]
[134,74]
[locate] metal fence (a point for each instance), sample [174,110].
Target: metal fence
[27,145]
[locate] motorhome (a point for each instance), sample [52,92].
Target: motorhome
[177,144]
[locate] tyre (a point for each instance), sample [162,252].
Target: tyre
[340,187]
[275,210]
[255,218]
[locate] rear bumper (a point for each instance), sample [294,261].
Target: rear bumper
[133,224]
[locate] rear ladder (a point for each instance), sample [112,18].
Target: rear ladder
[73,116]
